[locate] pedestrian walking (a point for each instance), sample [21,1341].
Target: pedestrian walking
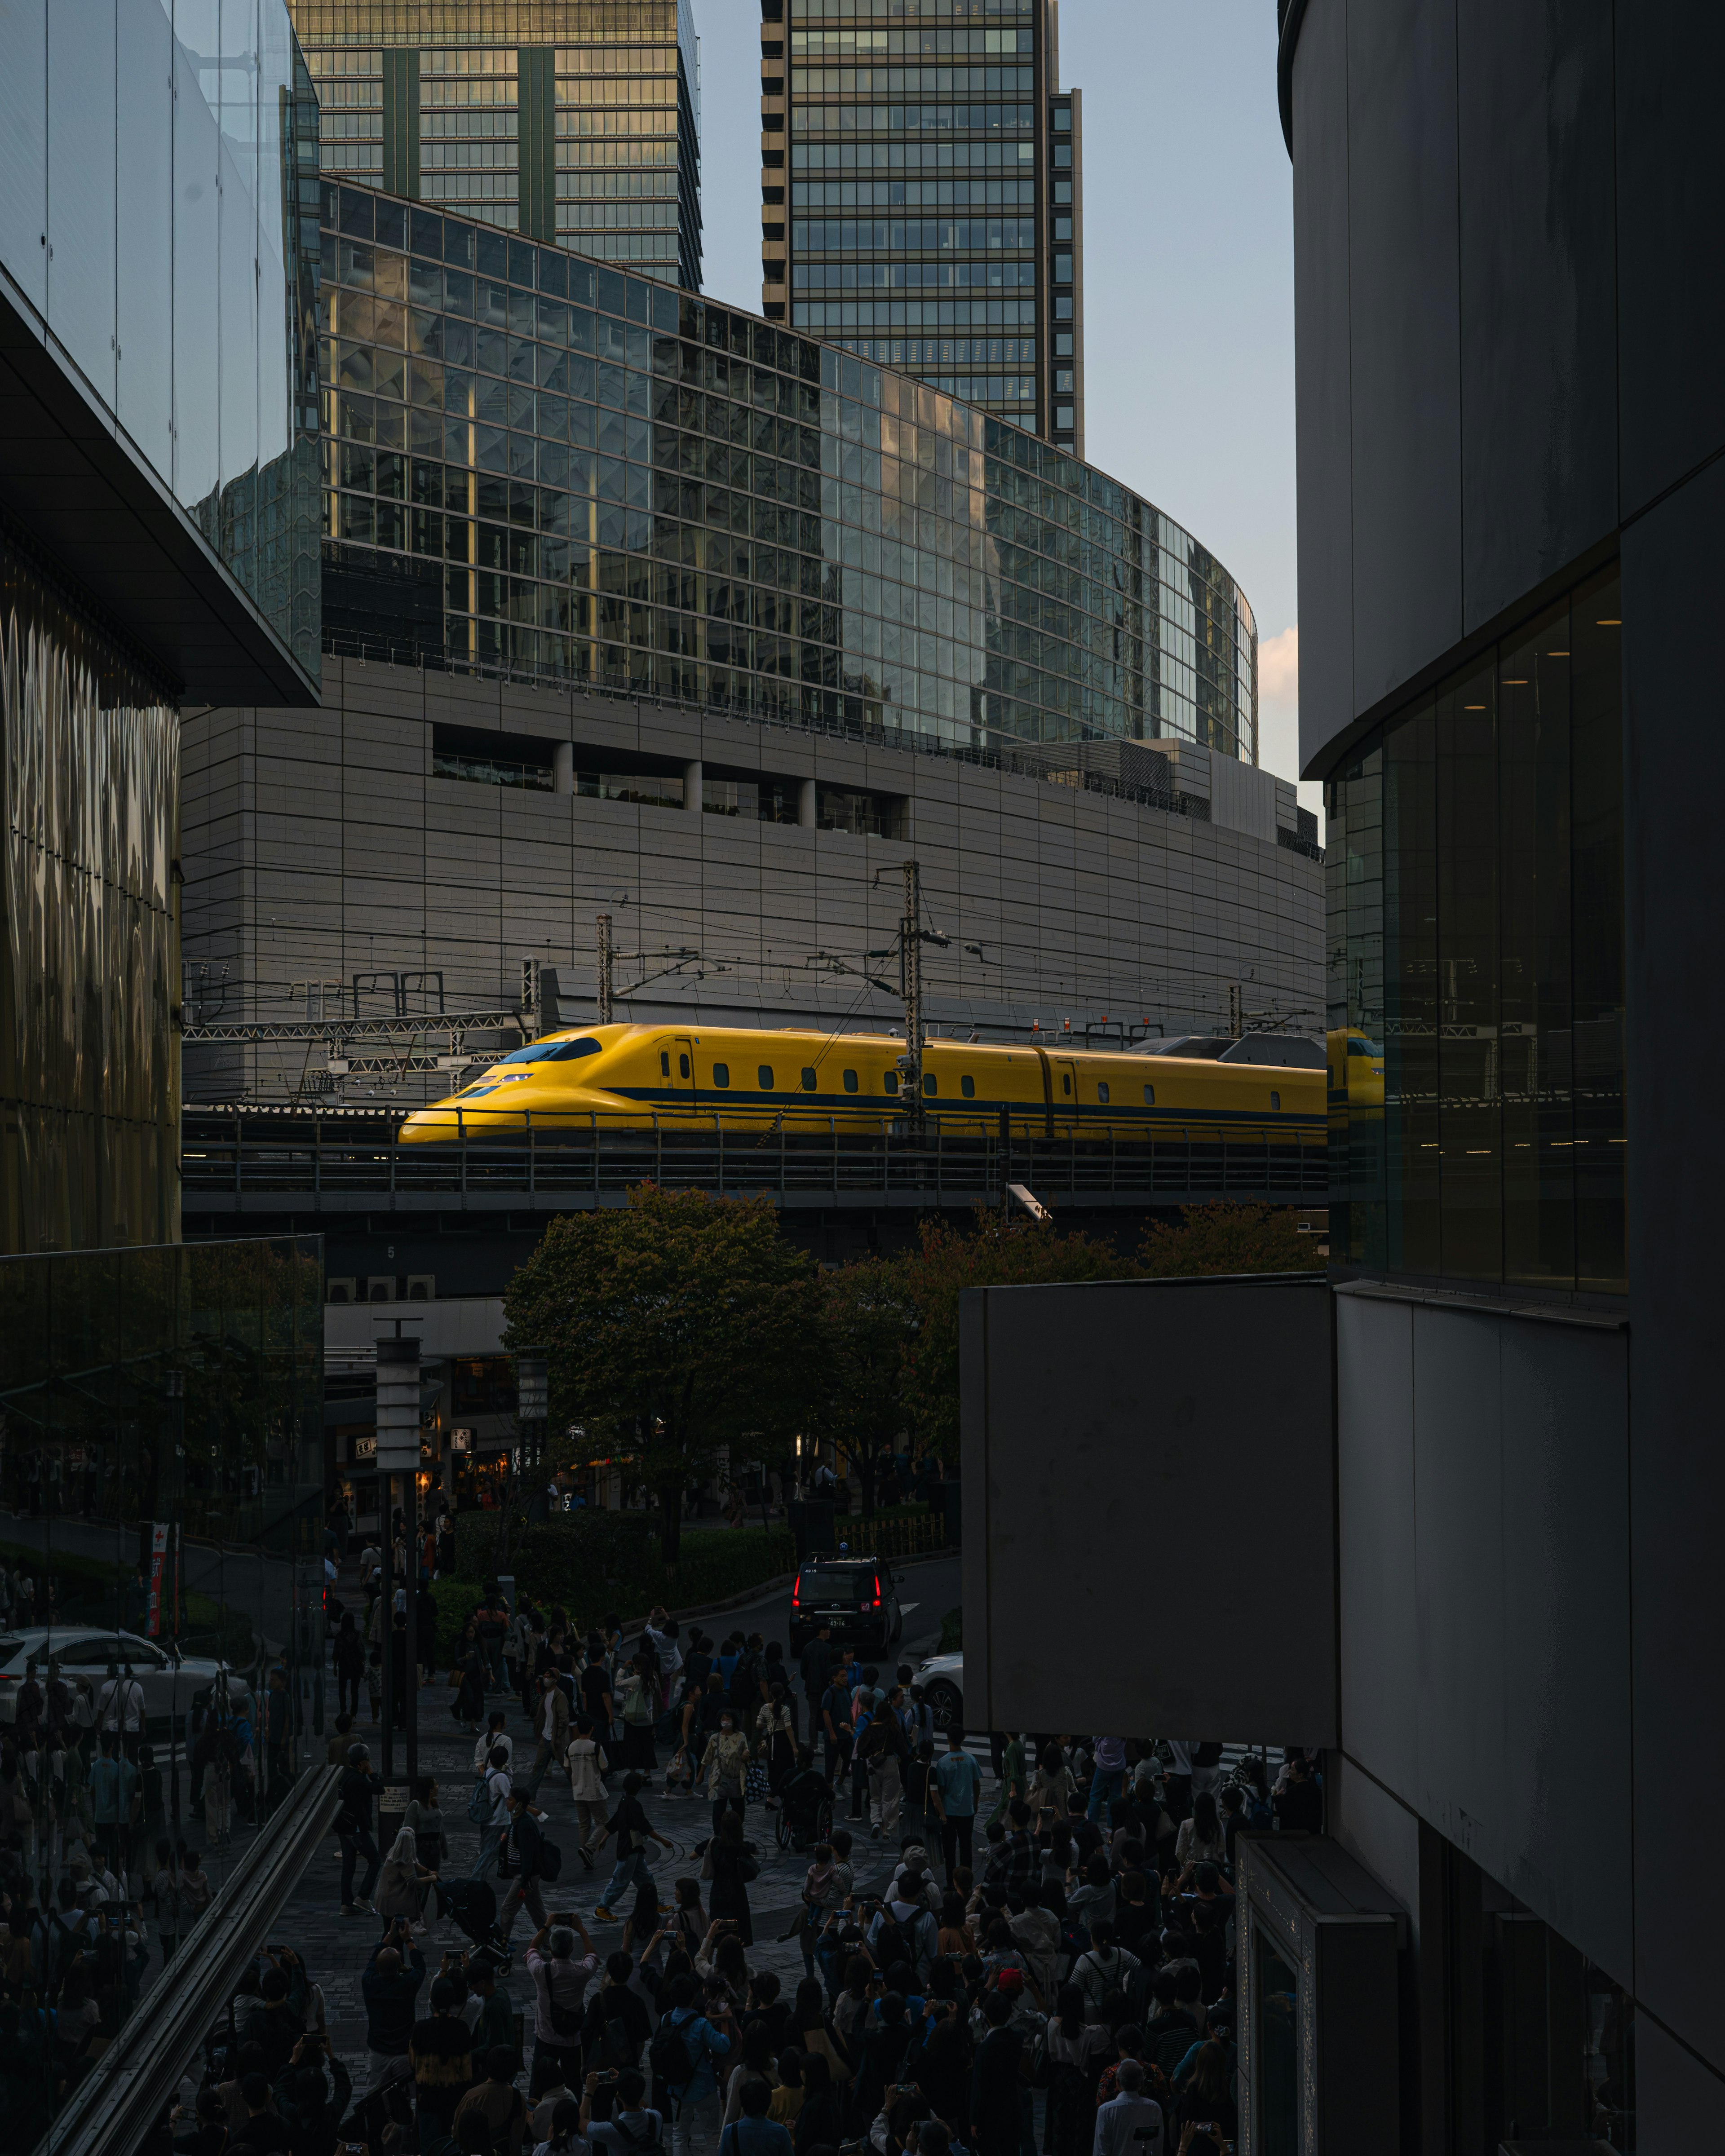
[956,1782]
[587,1787]
[356,1793]
[628,1824]
[551,1727]
[522,1861]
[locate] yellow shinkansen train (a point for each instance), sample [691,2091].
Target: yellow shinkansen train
[632,1076]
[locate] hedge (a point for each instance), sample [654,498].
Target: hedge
[456,1600]
[595,1563]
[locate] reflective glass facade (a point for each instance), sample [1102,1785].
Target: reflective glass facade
[613,482]
[161,1504]
[1475,955]
[150,212]
[925,210]
[90,959]
[577,121]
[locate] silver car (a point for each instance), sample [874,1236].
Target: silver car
[171,1688]
[942,1677]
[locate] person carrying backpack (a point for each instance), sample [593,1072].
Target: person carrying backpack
[488,1808]
[682,2054]
[560,1983]
[755,2134]
[617,2024]
[527,1857]
[632,2129]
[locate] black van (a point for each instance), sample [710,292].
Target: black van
[857,1596]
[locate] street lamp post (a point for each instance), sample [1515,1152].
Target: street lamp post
[532,1391]
[398,1454]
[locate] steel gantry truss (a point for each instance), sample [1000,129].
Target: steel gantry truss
[387,1046]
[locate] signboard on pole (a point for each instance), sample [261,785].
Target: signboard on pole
[159,1533]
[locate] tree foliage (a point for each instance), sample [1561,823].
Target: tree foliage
[869,1326]
[990,1255]
[675,1327]
[1225,1238]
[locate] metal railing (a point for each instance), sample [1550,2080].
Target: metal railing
[907,1534]
[233,1160]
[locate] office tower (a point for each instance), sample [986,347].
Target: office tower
[922,196]
[158,548]
[575,122]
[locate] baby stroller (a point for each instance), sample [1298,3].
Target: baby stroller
[472,1904]
[805,1812]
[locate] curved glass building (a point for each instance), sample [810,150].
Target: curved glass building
[580,475]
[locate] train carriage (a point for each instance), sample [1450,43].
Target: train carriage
[627,1076]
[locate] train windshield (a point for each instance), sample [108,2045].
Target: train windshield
[553,1051]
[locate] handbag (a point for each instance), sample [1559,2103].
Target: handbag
[1037,2070]
[747,1869]
[755,1782]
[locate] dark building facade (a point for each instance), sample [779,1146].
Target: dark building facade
[1510,496]
[922,196]
[158,546]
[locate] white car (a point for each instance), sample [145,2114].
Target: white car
[171,1689]
[942,1677]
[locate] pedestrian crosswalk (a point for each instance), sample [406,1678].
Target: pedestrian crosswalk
[980,1749]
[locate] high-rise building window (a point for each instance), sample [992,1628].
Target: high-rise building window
[933,135]
[1475,871]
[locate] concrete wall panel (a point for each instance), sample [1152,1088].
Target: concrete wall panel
[1091,1412]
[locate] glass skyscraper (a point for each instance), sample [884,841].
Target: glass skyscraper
[575,122]
[922,199]
[590,478]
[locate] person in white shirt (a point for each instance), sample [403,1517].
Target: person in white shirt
[498,1784]
[1131,2124]
[484,1746]
[119,1709]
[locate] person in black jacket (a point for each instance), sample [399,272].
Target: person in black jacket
[523,1851]
[994,2082]
[819,2125]
[616,2023]
[391,1986]
[308,2110]
[357,1791]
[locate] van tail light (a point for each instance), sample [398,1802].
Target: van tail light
[874,1601]
[797,1594]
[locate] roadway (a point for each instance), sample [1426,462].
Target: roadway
[931,1586]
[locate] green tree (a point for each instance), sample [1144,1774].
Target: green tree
[991,1254]
[675,1327]
[1225,1238]
[869,1324]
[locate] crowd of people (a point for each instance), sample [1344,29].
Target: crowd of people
[1044,1954]
[1060,1969]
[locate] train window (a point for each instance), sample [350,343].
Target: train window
[890,1079]
[764,1076]
[1275,1100]
[682,1066]
[566,1051]
[931,1084]
[1149,1097]
[850,1081]
[1102,1091]
[1065,1081]
[664,1063]
[967,1086]
[721,1074]
[808,1082]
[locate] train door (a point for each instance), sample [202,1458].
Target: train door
[677,1064]
[1065,1087]
[1048,1092]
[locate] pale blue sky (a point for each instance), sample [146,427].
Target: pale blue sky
[1188,275]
